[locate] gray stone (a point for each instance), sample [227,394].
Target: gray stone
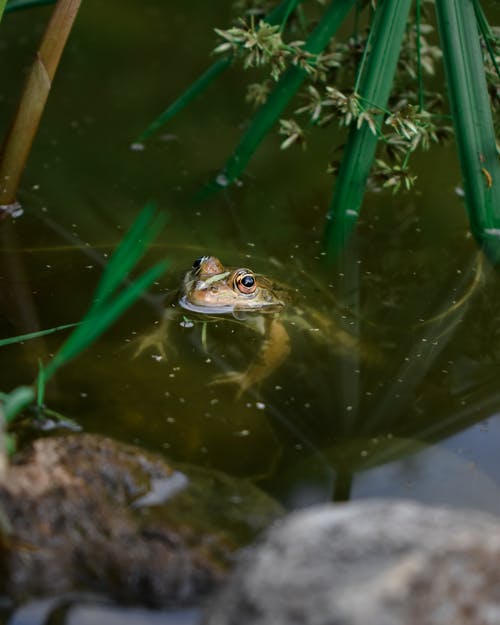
[368,563]
[86,513]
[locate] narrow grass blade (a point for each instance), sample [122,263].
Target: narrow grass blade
[197,87]
[40,385]
[470,107]
[99,321]
[18,5]
[34,335]
[144,229]
[107,305]
[2,8]
[279,15]
[375,82]
[287,86]
[17,146]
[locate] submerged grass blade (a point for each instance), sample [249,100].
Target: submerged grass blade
[17,146]
[34,335]
[470,106]
[279,15]
[18,5]
[375,82]
[287,86]
[2,8]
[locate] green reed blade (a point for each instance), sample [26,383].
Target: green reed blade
[2,8]
[487,33]
[279,15]
[17,5]
[375,82]
[144,229]
[34,335]
[197,87]
[16,401]
[287,86]
[97,322]
[107,305]
[472,120]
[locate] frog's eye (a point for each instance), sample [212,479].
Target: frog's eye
[244,281]
[197,262]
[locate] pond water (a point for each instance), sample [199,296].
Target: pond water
[410,409]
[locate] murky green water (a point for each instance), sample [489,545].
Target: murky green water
[412,412]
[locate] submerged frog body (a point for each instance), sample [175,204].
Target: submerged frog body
[213,291]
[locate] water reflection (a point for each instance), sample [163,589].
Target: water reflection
[415,371]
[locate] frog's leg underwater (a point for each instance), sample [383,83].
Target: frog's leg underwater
[156,340]
[274,350]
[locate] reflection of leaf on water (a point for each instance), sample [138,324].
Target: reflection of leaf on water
[428,342]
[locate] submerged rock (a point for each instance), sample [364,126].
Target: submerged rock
[90,513]
[376,563]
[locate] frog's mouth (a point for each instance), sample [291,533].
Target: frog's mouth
[228,308]
[216,310]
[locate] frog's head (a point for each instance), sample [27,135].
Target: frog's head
[210,288]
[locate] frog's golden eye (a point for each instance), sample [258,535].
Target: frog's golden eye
[244,281]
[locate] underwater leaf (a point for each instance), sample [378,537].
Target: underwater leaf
[470,107]
[374,85]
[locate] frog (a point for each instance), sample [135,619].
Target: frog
[211,291]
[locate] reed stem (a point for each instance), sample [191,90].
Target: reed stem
[17,146]
[472,120]
[375,81]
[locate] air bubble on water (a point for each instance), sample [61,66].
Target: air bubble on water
[186,323]
[260,405]
[137,147]
[222,180]
[242,433]
[157,357]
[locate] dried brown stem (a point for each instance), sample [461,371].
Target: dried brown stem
[19,140]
